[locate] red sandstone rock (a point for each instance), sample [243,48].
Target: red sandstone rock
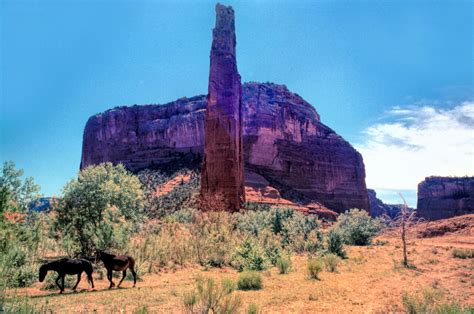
[222,167]
[284,141]
[444,197]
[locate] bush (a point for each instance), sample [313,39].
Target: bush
[213,238]
[431,302]
[301,233]
[249,280]
[249,256]
[284,264]
[463,253]
[335,243]
[315,266]
[252,309]
[208,297]
[357,227]
[331,261]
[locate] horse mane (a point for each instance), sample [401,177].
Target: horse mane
[108,255]
[50,265]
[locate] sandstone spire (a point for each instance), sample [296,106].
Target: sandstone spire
[222,168]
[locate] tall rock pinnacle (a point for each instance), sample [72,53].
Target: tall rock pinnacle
[222,168]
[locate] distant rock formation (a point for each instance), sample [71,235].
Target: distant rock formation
[43,204]
[444,197]
[284,141]
[222,168]
[379,208]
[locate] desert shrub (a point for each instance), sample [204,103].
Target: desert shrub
[101,207]
[297,232]
[14,304]
[284,264]
[141,310]
[249,280]
[212,238]
[301,233]
[463,253]
[253,222]
[331,261]
[155,250]
[314,266]
[335,243]
[271,246]
[208,297]
[249,256]
[357,227]
[183,215]
[252,206]
[252,308]
[431,301]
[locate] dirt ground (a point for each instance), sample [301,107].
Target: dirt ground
[369,281]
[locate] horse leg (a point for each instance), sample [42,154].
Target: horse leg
[91,281]
[57,284]
[62,281]
[78,280]
[134,276]
[109,277]
[123,277]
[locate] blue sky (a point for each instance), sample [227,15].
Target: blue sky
[374,70]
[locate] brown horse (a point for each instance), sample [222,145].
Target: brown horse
[67,266]
[118,263]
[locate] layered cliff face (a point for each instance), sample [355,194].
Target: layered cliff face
[284,141]
[444,197]
[222,168]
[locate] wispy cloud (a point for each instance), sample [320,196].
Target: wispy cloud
[418,142]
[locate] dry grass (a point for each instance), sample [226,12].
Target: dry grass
[372,284]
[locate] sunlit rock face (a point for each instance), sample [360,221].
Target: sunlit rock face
[222,167]
[283,138]
[444,197]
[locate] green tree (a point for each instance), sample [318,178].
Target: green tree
[16,194]
[101,207]
[20,231]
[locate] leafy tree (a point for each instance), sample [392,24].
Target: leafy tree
[100,208]
[20,231]
[16,194]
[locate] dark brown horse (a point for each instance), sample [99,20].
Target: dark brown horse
[118,263]
[67,266]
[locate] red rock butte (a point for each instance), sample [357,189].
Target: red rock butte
[287,150]
[222,168]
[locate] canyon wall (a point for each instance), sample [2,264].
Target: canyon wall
[444,197]
[284,141]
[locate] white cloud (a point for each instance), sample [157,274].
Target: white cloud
[419,142]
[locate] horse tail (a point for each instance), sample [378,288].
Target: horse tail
[131,265]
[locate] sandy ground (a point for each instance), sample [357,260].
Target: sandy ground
[370,281]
